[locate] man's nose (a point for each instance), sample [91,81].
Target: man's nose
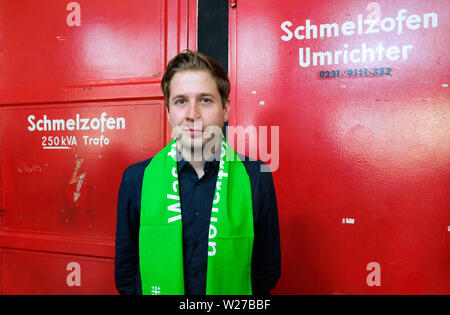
[193,111]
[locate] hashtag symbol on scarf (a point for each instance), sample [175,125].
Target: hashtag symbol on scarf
[156,290]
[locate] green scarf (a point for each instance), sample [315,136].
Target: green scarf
[230,242]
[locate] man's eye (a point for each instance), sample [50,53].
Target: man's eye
[206,100]
[179,101]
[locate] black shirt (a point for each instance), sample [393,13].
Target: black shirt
[196,202]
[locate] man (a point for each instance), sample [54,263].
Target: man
[197,218]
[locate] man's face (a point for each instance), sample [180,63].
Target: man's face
[194,105]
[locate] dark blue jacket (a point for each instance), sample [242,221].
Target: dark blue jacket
[196,201]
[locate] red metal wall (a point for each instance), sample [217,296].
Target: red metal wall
[364,161]
[361,170]
[79,101]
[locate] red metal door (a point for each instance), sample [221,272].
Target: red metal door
[359,93]
[79,101]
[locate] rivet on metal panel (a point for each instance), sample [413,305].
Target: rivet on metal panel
[233,3]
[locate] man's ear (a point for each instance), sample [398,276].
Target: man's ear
[226,110]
